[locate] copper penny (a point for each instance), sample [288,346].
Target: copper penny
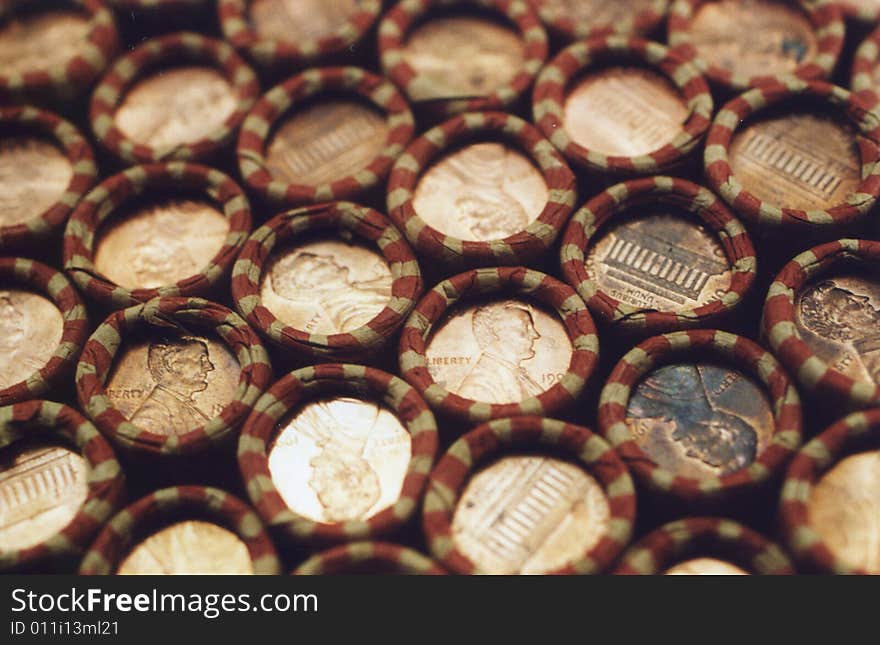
[839,319]
[705,567]
[529,515]
[326,141]
[34,175]
[42,41]
[660,261]
[753,37]
[698,420]
[340,459]
[177,106]
[191,547]
[844,509]
[42,487]
[160,243]
[799,160]
[171,386]
[462,56]
[30,331]
[594,12]
[482,192]
[624,111]
[300,20]
[326,286]
[500,351]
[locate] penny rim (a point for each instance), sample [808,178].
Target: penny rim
[600,210]
[279,101]
[340,218]
[347,558]
[642,22]
[302,385]
[549,97]
[109,548]
[127,70]
[732,350]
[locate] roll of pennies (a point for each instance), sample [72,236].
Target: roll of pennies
[280,35]
[701,416]
[622,106]
[43,325]
[46,167]
[865,77]
[177,97]
[704,546]
[866,12]
[332,280]
[463,55]
[328,133]
[830,507]
[800,156]
[746,43]
[53,51]
[337,453]
[175,376]
[156,230]
[584,19]
[529,495]
[822,318]
[59,483]
[481,189]
[658,254]
[369,558]
[183,530]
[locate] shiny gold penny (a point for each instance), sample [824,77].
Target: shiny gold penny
[597,13]
[753,37]
[800,160]
[34,175]
[191,547]
[160,243]
[500,351]
[461,56]
[326,141]
[482,192]
[340,459]
[300,20]
[529,515]
[30,331]
[171,386]
[175,107]
[42,41]
[844,509]
[326,286]
[660,261]
[705,567]
[699,420]
[42,487]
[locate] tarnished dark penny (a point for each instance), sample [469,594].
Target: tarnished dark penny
[326,141]
[462,56]
[176,106]
[529,515]
[326,286]
[844,509]
[340,459]
[173,385]
[753,37]
[499,351]
[34,175]
[481,192]
[705,567]
[624,111]
[42,487]
[660,261]
[600,13]
[160,243]
[30,332]
[839,319]
[697,420]
[803,159]
[45,40]
[189,547]
[300,20]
